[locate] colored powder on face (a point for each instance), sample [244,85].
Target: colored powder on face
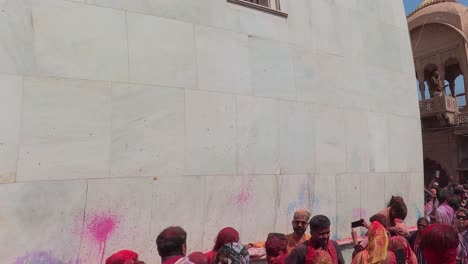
[102,226]
[41,257]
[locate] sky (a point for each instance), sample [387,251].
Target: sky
[410,5]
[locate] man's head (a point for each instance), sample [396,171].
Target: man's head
[171,242]
[442,196]
[436,74]
[461,219]
[422,224]
[276,247]
[454,202]
[460,192]
[320,230]
[299,222]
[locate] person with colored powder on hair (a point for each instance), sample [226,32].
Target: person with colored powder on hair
[124,257]
[172,246]
[309,251]
[299,224]
[299,236]
[276,247]
[226,235]
[395,214]
[461,223]
[439,244]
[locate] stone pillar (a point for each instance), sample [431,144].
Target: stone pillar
[452,87]
[422,88]
[464,70]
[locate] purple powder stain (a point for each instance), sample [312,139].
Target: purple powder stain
[40,257]
[358,213]
[300,201]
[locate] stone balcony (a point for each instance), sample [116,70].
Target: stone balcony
[444,108]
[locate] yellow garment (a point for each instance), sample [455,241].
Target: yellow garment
[376,251]
[292,243]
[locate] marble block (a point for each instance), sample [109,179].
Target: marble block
[259,210]
[147,130]
[215,48]
[210,129]
[34,220]
[224,199]
[161,51]
[258,136]
[298,130]
[11,95]
[67,45]
[65,129]
[293,193]
[271,69]
[118,215]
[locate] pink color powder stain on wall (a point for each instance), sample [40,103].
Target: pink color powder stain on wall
[99,228]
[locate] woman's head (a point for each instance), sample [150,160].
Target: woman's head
[276,247]
[439,244]
[461,219]
[232,253]
[226,235]
[398,208]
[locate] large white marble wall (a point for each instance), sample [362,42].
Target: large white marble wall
[140,114]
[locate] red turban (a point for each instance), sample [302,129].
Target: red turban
[122,256]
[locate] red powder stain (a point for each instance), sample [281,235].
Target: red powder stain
[99,228]
[244,196]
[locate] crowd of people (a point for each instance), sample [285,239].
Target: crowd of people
[441,238]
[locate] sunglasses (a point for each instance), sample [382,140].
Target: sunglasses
[461,217]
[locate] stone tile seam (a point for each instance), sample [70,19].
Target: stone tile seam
[221,28]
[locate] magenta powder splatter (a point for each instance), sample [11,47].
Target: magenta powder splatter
[99,228]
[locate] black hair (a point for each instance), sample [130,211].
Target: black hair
[398,208]
[442,195]
[454,202]
[319,222]
[170,241]
[422,219]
